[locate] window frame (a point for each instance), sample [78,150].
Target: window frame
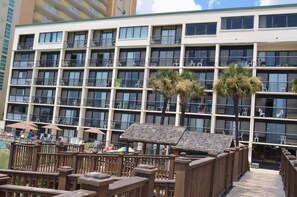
[50,37]
[130,32]
[206,28]
[225,21]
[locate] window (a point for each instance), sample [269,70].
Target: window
[201,29]
[241,22]
[276,21]
[133,32]
[50,37]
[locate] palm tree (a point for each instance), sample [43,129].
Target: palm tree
[294,85]
[236,82]
[188,87]
[164,83]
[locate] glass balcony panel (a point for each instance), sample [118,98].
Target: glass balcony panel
[103,103]
[198,62]
[16,116]
[41,118]
[158,105]
[48,63]
[25,46]
[243,110]
[91,122]
[100,62]
[129,83]
[127,104]
[131,62]
[107,42]
[19,98]
[277,61]
[43,100]
[76,43]
[72,82]
[158,62]
[121,125]
[67,120]
[23,64]
[21,81]
[243,61]
[166,40]
[99,82]
[69,101]
[46,81]
[73,63]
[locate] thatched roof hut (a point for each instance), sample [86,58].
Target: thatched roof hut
[203,142]
[152,133]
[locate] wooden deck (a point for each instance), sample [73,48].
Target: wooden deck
[259,182]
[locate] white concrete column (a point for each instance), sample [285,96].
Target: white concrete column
[145,85]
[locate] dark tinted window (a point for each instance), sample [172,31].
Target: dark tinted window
[276,21]
[279,21]
[201,29]
[242,22]
[292,20]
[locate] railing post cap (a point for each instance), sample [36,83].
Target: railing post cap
[183,154]
[294,163]
[145,169]
[95,179]
[287,153]
[291,157]
[65,169]
[182,160]
[172,155]
[213,153]
[97,175]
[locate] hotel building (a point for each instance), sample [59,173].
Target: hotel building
[95,73]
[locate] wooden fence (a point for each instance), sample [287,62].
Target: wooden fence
[288,171]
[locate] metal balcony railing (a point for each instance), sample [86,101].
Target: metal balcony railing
[43,100]
[47,63]
[23,64]
[100,62]
[158,105]
[166,40]
[67,120]
[75,43]
[127,104]
[107,42]
[199,61]
[239,60]
[21,81]
[131,62]
[277,61]
[69,101]
[73,63]
[102,103]
[18,98]
[99,82]
[25,46]
[41,118]
[164,62]
[45,81]
[128,83]
[71,82]
[92,122]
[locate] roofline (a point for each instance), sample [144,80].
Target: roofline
[166,13]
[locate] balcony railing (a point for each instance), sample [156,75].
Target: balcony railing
[124,104]
[158,105]
[199,129]
[19,98]
[161,62]
[208,84]
[107,42]
[99,82]
[25,46]
[47,63]
[243,133]
[243,110]
[131,62]
[100,62]
[277,61]
[276,86]
[244,61]
[23,64]
[41,118]
[72,82]
[16,116]
[166,40]
[45,81]
[200,108]
[102,103]
[275,137]
[276,112]
[129,83]
[69,101]
[121,125]
[43,100]
[73,63]
[21,81]
[199,61]
[92,122]
[75,43]
[67,120]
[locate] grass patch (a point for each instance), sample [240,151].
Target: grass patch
[4,157]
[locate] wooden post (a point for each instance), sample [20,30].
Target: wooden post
[95,181]
[171,166]
[127,147]
[213,182]
[35,158]
[120,164]
[11,155]
[74,161]
[61,148]
[64,171]
[182,173]
[228,174]
[295,178]
[149,172]
[158,149]
[144,148]
[4,179]
[236,163]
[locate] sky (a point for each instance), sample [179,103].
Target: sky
[157,6]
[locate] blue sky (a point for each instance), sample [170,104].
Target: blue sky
[157,6]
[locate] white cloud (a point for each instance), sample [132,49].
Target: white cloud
[273,2]
[212,3]
[157,6]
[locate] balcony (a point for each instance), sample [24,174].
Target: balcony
[276,112]
[72,82]
[47,63]
[67,120]
[100,63]
[129,83]
[243,110]
[131,62]
[16,116]
[108,42]
[199,62]
[41,118]
[275,137]
[243,61]
[277,61]
[276,86]
[21,81]
[73,63]
[99,82]
[158,105]
[19,98]
[102,103]
[199,129]
[69,101]
[124,104]
[25,46]
[45,81]
[43,100]
[200,108]
[23,64]
[121,125]
[166,40]
[75,44]
[164,62]
[90,122]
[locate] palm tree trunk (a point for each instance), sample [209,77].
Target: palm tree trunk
[235,100]
[164,110]
[182,116]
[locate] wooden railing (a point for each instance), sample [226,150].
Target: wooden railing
[288,171]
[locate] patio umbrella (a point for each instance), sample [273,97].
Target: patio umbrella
[123,149]
[54,129]
[29,123]
[22,125]
[94,130]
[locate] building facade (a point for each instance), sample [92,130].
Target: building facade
[96,73]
